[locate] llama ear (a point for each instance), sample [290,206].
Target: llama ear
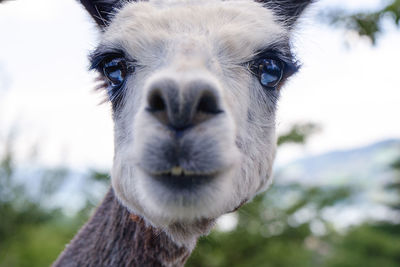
[102,11]
[288,11]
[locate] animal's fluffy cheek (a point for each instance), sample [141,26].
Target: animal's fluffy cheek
[124,184]
[258,147]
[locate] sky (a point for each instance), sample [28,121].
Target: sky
[47,98]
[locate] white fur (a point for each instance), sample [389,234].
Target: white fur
[203,39]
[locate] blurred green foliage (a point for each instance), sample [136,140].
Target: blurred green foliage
[298,133]
[30,234]
[368,24]
[367,245]
[284,227]
[394,186]
[270,233]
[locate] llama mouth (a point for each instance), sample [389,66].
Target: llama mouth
[178,178]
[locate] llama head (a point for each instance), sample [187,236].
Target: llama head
[194,86]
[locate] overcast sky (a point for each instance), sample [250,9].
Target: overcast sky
[46,90]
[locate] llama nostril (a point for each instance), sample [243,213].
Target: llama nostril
[180,107]
[208,104]
[156,102]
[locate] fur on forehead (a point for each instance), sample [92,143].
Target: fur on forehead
[103,11]
[237,29]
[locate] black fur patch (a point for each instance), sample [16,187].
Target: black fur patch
[102,11]
[288,11]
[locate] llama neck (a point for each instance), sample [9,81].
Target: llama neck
[115,237]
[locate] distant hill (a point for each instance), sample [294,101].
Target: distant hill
[365,166]
[366,170]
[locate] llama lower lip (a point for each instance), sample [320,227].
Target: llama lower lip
[181,182]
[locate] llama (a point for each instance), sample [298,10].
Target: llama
[193,86]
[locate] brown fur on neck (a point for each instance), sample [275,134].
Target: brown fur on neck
[115,237]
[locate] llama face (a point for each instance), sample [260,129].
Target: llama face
[194,87]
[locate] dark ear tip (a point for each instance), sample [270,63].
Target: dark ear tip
[101,11]
[287,11]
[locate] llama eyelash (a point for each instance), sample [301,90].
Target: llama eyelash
[272,68]
[291,64]
[113,96]
[99,59]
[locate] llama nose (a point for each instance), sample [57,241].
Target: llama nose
[183,107]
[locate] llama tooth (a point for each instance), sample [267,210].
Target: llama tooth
[176,171]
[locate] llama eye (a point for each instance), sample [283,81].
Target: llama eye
[269,71]
[115,70]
